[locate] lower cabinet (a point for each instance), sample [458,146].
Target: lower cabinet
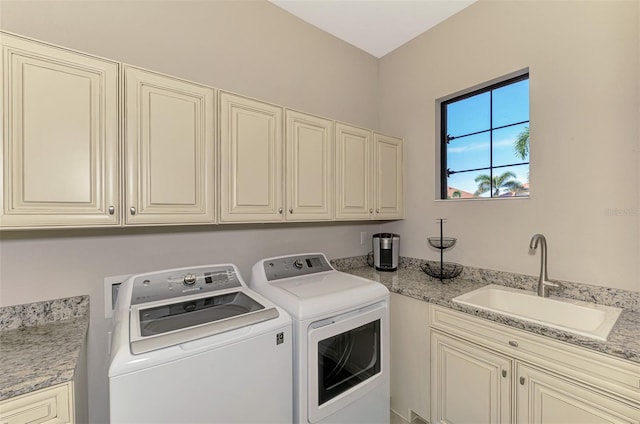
[409,374]
[59,404]
[51,405]
[469,384]
[545,398]
[483,372]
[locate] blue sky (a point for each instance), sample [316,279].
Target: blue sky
[510,105]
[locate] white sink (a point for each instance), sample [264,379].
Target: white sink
[573,316]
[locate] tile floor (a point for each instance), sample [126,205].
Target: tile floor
[397,419]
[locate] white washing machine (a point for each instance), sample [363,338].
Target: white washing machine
[196,345]
[341,338]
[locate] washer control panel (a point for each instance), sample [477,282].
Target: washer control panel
[295,266]
[182,282]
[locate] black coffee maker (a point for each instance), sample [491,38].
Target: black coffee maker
[386,247]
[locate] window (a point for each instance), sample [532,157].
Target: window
[485,142]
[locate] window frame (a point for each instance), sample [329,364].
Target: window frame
[444,139]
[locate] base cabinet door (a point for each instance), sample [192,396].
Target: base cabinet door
[409,368]
[543,398]
[309,167]
[251,152]
[388,171]
[60,137]
[53,405]
[170,154]
[469,384]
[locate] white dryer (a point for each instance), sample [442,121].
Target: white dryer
[341,338]
[196,345]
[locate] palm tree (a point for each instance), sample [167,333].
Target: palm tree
[506,180]
[521,145]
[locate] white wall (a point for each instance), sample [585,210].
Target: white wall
[585,73]
[250,47]
[584,63]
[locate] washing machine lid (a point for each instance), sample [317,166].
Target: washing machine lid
[324,293]
[160,324]
[175,306]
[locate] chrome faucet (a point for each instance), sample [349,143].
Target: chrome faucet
[543,281]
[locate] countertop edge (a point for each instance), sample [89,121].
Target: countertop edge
[618,344]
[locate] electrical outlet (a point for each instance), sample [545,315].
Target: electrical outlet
[111,287]
[363,237]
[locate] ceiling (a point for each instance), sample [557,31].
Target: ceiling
[375,26]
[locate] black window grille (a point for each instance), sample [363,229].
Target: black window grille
[485,142]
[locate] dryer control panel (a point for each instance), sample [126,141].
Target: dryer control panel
[183,282]
[295,266]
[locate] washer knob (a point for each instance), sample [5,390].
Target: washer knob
[298,264]
[189,279]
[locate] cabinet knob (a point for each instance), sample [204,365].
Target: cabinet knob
[280,210]
[513,343]
[522,381]
[504,373]
[290,210]
[112,210]
[377,210]
[133,210]
[371,210]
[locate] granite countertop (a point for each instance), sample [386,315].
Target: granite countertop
[37,348]
[623,341]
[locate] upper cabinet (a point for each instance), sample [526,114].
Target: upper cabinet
[388,171]
[60,137]
[88,142]
[169,149]
[259,169]
[353,172]
[309,167]
[369,174]
[251,151]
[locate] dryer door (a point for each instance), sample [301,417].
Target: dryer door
[346,359]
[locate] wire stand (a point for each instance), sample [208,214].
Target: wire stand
[444,270]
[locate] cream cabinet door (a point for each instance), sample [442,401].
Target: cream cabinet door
[353,173]
[409,368]
[53,405]
[468,384]
[545,399]
[309,167]
[388,171]
[251,155]
[60,137]
[169,145]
